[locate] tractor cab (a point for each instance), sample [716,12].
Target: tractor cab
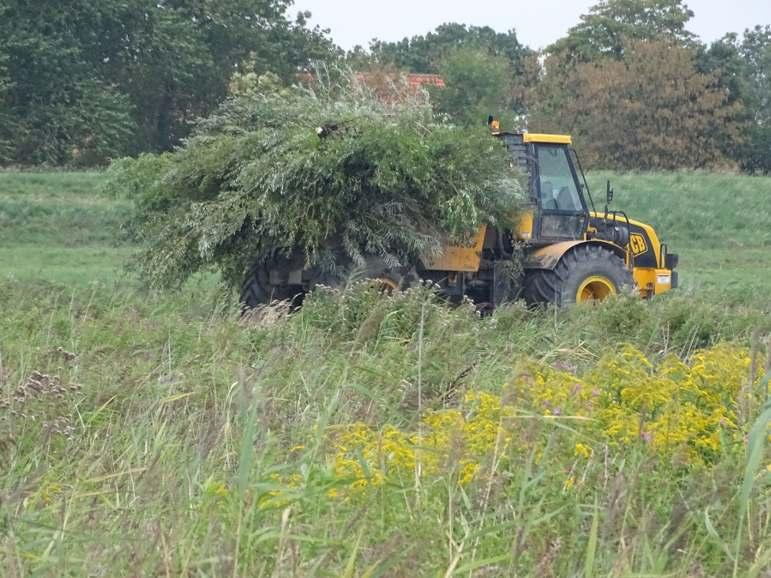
[561,214]
[558,198]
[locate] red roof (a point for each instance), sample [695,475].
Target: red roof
[420,80]
[389,86]
[414,81]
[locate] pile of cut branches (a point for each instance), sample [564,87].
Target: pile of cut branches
[287,169]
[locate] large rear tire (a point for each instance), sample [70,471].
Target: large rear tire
[257,289]
[375,270]
[587,273]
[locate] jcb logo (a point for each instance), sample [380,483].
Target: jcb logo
[637,244]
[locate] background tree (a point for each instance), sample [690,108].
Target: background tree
[638,90]
[82,82]
[651,110]
[476,85]
[92,80]
[6,132]
[742,66]
[426,53]
[190,49]
[55,98]
[723,60]
[611,24]
[5,85]
[756,52]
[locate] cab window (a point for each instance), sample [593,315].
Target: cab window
[557,187]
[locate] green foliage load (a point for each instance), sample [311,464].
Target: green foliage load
[336,173]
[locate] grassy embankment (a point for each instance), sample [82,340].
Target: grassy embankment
[59,227]
[167,437]
[720,225]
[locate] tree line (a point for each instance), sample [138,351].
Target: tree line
[85,82]
[82,81]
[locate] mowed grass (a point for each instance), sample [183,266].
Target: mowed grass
[60,227]
[694,209]
[162,434]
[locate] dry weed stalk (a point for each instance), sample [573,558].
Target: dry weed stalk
[38,398]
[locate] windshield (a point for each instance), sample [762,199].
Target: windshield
[557,186]
[580,169]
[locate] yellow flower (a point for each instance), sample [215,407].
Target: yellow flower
[583,451]
[50,491]
[216,489]
[673,409]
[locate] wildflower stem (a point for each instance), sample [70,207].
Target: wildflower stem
[421,327]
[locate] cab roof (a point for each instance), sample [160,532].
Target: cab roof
[536,137]
[546,138]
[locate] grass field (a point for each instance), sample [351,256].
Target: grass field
[60,228]
[145,434]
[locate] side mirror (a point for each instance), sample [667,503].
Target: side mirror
[609,194]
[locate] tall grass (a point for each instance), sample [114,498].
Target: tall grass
[197,442]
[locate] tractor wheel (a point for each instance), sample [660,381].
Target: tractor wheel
[586,274]
[257,289]
[375,270]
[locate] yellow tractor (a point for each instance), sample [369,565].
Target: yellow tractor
[568,251]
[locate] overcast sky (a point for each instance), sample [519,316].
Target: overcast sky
[537,22]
